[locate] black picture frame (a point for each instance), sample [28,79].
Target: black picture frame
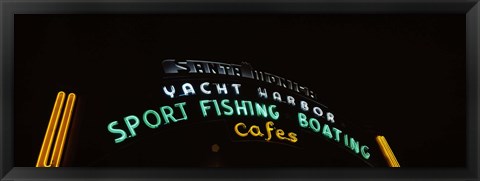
[470,8]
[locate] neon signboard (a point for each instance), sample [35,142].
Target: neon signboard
[260,106]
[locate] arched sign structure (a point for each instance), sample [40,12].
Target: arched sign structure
[205,113]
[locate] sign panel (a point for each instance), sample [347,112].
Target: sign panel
[237,91]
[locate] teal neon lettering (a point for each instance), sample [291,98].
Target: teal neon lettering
[131,127]
[273,114]
[242,108]
[326,131]
[145,119]
[261,110]
[365,154]
[337,134]
[117,131]
[217,109]
[203,107]
[302,120]
[249,103]
[345,140]
[224,103]
[182,110]
[354,145]
[314,122]
[167,116]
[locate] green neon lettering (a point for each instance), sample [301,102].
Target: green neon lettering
[184,114]
[326,131]
[117,131]
[261,110]
[337,134]
[302,120]
[243,108]
[273,114]
[203,107]
[354,145]
[365,154]
[249,103]
[150,125]
[131,127]
[217,109]
[312,126]
[167,116]
[224,103]
[345,140]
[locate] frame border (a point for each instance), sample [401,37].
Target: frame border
[8,8]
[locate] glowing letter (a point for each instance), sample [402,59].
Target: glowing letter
[249,103]
[302,119]
[238,132]
[203,107]
[330,117]
[337,134]
[255,131]
[261,110]
[225,105]
[222,89]
[168,115]
[117,131]
[244,108]
[169,93]
[354,145]
[180,105]
[145,116]
[293,137]
[312,126]
[279,133]
[273,114]
[202,88]
[365,154]
[317,111]
[304,105]
[217,109]
[277,97]
[131,127]
[345,140]
[269,130]
[326,131]
[188,89]
[291,100]
[236,86]
[262,93]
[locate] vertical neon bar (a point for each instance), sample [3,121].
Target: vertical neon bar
[387,151]
[52,126]
[62,132]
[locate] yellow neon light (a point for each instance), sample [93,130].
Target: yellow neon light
[43,158]
[52,126]
[387,151]
[62,132]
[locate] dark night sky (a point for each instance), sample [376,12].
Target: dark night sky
[402,76]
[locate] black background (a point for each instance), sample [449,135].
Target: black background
[400,75]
